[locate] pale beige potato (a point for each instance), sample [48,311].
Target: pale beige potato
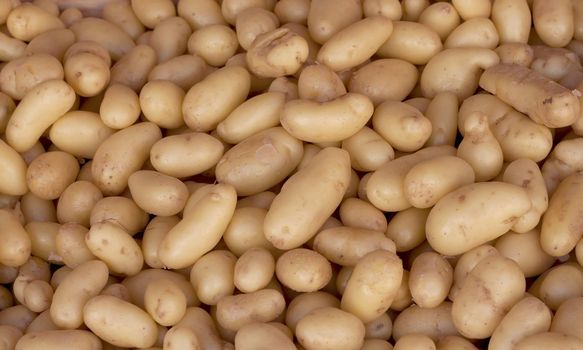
[313,46]
[329,327]
[303,270]
[557,64]
[327,17]
[43,240]
[214,43]
[121,154]
[59,339]
[200,13]
[17,244]
[41,323]
[212,276]
[404,127]
[550,341]
[379,328]
[77,202]
[232,8]
[121,14]
[38,295]
[512,19]
[292,11]
[553,22]
[563,161]
[160,102]
[121,210]
[165,302]
[260,161]
[133,68]
[453,342]
[307,199]
[252,22]
[18,316]
[262,335]
[466,264]
[319,83]
[79,133]
[120,107]
[254,270]
[414,341]
[157,193]
[407,228]
[87,74]
[245,231]
[235,311]
[475,32]
[286,85]
[368,150]
[34,208]
[10,336]
[13,176]
[387,8]
[566,319]
[23,74]
[59,276]
[154,232]
[91,47]
[70,244]
[170,38]
[515,53]
[7,106]
[412,42]
[105,33]
[442,17]
[470,9]
[27,21]
[304,303]
[183,70]
[150,13]
[525,249]
[430,279]
[412,9]
[357,213]
[49,174]
[11,48]
[180,338]
[558,284]
[137,284]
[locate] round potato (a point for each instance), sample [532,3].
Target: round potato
[430,279]
[121,210]
[161,103]
[357,213]
[214,43]
[368,150]
[27,21]
[165,302]
[71,246]
[303,270]
[77,201]
[403,126]
[120,107]
[525,249]
[51,173]
[319,83]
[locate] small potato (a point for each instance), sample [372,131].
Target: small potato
[527,317]
[277,53]
[414,341]
[356,43]
[427,182]
[184,71]
[70,244]
[491,289]
[303,270]
[105,33]
[525,249]
[404,127]
[232,8]
[330,121]
[121,14]
[200,13]
[37,111]
[170,38]
[466,264]
[329,327]
[150,13]
[253,22]
[245,231]
[327,17]
[59,339]
[17,246]
[10,48]
[120,107]
[384,79]
[368,150]
[235,311]
[202,325]
[34,208]
[27,21]
[512,19]
[157,193]
[373,285]
[79,133]
[7,106]
[51,173]
[499,204]
[121,210]
[254,270]
[165,302]
[407,228]
[515,53]
[180,338]
[214,43]
[292,11]
[412,9]
[558,284]
[566,318]
[43,240]
[136,328]
[137,284]
[260,161]
[260,335]
[87,74]
[299,210]
[201,228]
[38,295]
[379,328]
[18,316]
[475,32]
[252,116]
[212,276]
[221,91]
[89,47]
[132,69]
[360,214]
[553,22]
[287,86]
[161,103]
[347,245]
[443,18]
[387,8]
[77,202]
[305,303]
[157,228]
[21,75]
[563,161]
[550,341]
[13,179]
[430,279]
[412,42]
[319,83]
[121,154]
[471,9]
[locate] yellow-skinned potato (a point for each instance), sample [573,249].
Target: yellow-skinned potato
[180,338]
[221,91]
[330,327]
[566,319]
[200,322]
[412,9]
[7,106]
[430,180]
[299,210]
[232,8]
[157,228]
[214,43]
[170,37]
[412,42]
[453,342]
[430,279]
[259,335]
[553,22]
[304,32]
[559,230]
[403,126]
[356,43]
[490,290]
[368,150]
[38,295]
[527,317]
[120,107]
[319,83]
[37,111]
[106,34]
[379,328]
[119,322]
[525,248]
[49,174]
[59,339]
[236,311]
[43,240]
[137,284]
[277,53]
[475,32]
[165,302]
[558,284]
[252,22]
[79,133]
[414,341]
[157,193]
[549,341]
[21,75]
[71,246]
[132,69]
[327,17]
[11,48]
[330,121]
[294,11]
[87,74]
[305,303]
[245,231]
[285,85]
[200,13]
[456,70]
[13,175]
[16,248]
[184,71]
[548,102]
[471,9]
[161,103]
[387,8]
[347,245]
[27,21]
[454,225]
[376,344]
[515,53]
[260,161]
[81,284]
[208,218]
[564,160]
[121,154]
[90,47]
[34,208]
[121,14]
[212,276]
[479,148]
[512,19]
[357,213]
[303,270]
[441,17]
[254,270]
[407,228]
[373,285]
[121,210]
[150,13]
[384,188]
[466,264]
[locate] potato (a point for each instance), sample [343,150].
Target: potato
[414,341]
[245,231]
[303,270]
[10,336]
[157,228]
[565,319]
[319,83]
[136,328]
[157,193]
[555,63]
[403,126]
[150,13]
[172,27]
[360,214]
[252,22]
[553,22]
[180,338]
[27,21]
[137,284]
[212,276]
[121,154]
[527,317]
[499,203]
[105,33]
[51,173]
[165,302]
[254,270]
[77,202]
[79,133]
[368,150]
[160,102]
[327,17]
[466,264]
[70,244]
[452,342]
[472,33]
[258,335]
[213,43]
[558,284]
[120,107]
[184,71]
[43,240]
[17,244]
[121,14]
[304,303]
[87,74]
[260,161]
[59,339]
[471,9]
[550,341]
[563,161]
[11,48]
[442,18]
[292,11]
[13,179]
[525,249]
[21,75]
[120,210]
[329,327]
[133,68]
[235,311]
[38,295]
[430,279]
[412,42]
[298,211]
[515,53]
[18,316]
[490,290]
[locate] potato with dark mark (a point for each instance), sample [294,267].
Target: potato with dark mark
[165,302]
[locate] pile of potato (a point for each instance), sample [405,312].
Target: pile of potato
[292,174]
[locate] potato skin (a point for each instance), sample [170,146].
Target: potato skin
[59,339]
[329,327]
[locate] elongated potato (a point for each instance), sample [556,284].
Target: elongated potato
[184,71]
[27,21]
[132,68]
[21,75]
[207,218]
[327,17]
[37,111]
[329,327]
[105,33]
[17,246]
[212,276]
[403,126]
[512,19]
[330,121]
[414,341]
[307,199]
[119,322]
[357,213]
[79,133]
[553,22]
[13,175]
[235,311]
[59,339]
[157,193]
[411,41]
[368,150]
[454,225]
[476,32]
[121,154]
[430,279]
